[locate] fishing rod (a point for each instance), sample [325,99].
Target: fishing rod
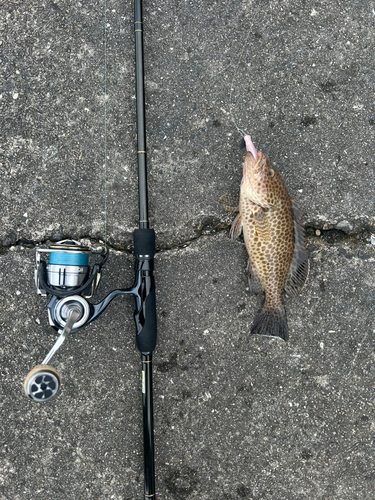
[63,273]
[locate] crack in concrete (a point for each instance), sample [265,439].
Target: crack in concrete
[335,236]
[207,226]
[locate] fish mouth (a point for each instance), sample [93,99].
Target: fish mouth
[252,164]
[250,148]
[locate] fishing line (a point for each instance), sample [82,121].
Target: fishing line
[105,123]
[241,131]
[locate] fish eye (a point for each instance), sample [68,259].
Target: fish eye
[271,172]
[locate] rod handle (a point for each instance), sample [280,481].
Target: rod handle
[144,243]
[145,312]
[145,320]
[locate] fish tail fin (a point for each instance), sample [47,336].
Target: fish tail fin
[271,322]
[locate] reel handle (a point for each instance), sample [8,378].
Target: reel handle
[72,312]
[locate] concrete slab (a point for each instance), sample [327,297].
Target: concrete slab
[298,78]
[235,416]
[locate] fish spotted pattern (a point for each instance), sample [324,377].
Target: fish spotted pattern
[274,240]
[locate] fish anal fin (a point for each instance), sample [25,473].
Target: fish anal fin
[255,284]
[236,227]
[299,267]
[230,202]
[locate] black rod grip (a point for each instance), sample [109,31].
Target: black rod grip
[144,242]
[145,320]
[145,311]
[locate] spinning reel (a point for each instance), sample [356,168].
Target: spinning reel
[69,280]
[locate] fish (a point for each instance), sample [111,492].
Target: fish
[270,221]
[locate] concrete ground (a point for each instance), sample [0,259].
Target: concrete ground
[236,417]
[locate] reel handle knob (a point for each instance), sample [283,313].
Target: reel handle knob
[42,383]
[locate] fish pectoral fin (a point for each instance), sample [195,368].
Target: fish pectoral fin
[262,226]
[230,202]
[299,268]
[255,283]
[236,227]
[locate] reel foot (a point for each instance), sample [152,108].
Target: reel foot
[42,383]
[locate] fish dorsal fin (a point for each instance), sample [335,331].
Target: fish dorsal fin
[230,202]
[236,227]
[299,267]
[262,226]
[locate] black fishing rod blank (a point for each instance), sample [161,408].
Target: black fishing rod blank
[144,241]
[141,115]
[69,274]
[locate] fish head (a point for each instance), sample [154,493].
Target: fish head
[261,181]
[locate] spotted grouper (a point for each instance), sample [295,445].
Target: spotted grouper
[274,239]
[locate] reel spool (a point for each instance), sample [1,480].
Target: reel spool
[68,265]
[67,272]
